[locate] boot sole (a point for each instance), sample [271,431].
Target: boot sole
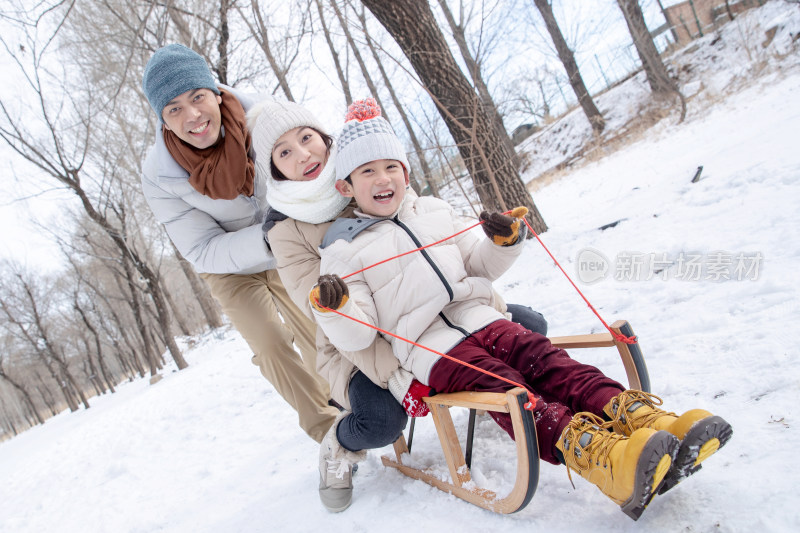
[651,470]
[701,442]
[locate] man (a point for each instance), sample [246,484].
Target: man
[199,181]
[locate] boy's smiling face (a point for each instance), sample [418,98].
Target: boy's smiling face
[378,187]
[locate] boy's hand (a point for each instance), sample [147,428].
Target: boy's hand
[412,401]
[503,229]
[330,291]
[409,392]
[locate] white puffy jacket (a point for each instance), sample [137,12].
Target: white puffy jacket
[435,297]
[216,236]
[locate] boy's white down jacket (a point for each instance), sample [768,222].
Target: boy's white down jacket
[435,297]
[216,236]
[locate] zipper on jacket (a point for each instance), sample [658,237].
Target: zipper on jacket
[435,268]
[427,257]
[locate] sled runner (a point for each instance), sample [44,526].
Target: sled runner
[512,402]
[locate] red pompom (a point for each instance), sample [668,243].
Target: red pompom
[362,110]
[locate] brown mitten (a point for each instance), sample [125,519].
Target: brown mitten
[330,291]
[503,229]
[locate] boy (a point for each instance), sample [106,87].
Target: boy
[441,298]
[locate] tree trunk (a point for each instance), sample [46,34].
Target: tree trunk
[661,84]
[373,89]
[348,98]
[657,76]
[46,395]
[571,67]
[427,175]
[136,307]
[486,156]
[222,44]
[262,38]
[103,376]
[176,313]
[477,78]
[26,397]
[208,305]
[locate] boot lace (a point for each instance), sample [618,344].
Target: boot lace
[626,399]
[597,449]
[338,467]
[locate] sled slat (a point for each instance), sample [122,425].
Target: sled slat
[451,447]
[632,358]
[594,340]
[527,453]
[486,401]
[400,447]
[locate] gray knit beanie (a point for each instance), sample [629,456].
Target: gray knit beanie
[173,70]
[268,120]
[366,136]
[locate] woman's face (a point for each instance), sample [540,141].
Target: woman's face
[300,154]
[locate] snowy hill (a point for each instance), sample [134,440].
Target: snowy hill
[214,449]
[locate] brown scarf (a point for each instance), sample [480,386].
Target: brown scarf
[223,170]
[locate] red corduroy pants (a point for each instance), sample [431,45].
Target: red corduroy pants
[561,385]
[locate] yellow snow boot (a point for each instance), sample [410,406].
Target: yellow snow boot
[700,433]
[629,470]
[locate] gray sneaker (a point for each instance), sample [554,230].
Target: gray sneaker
[335,472]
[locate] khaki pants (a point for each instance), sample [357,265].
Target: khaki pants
[252,302]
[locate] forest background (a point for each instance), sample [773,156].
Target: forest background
[92,292]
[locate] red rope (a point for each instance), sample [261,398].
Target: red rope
[412,251]
[531,399]
[617,336]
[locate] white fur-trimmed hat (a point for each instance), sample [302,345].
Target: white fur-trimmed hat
[366,136]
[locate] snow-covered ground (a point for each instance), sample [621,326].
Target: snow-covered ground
[214,449]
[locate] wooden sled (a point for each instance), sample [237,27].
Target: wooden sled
[511,402]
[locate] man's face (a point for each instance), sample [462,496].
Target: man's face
[378,187]
[194,117]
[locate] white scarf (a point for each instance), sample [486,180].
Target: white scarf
[313,201]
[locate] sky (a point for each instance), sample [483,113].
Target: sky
[213,448]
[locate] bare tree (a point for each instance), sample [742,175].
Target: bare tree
[571,66]
[491,166]
[427,176]
[341,71]
[281,52]
[661,83]
[60,152]
[102,378]
[208,305]
[23,392]
[25,306]
[474,69]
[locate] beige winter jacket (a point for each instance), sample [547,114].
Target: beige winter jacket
[296,249]
[435,297]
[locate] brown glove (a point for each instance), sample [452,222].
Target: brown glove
[503,229]
[330,291]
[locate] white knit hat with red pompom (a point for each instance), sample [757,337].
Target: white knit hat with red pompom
[366,136]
